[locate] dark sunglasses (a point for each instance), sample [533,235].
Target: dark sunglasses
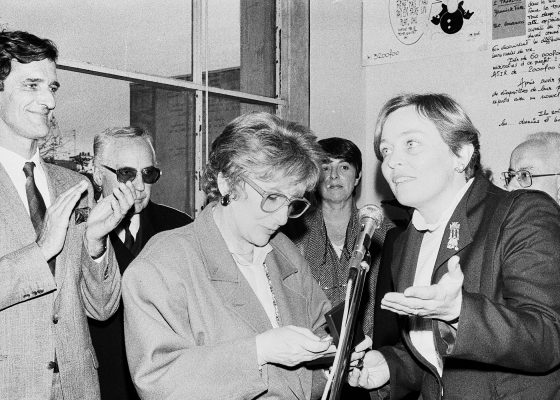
[149,174]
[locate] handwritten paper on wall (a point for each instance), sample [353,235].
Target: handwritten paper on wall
[403,30]
[526,71]
[508,18]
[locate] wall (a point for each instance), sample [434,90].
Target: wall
[346,97]
[337,79]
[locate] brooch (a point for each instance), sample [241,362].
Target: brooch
[453,242]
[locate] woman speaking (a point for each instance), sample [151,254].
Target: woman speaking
[478,275]
[226,308]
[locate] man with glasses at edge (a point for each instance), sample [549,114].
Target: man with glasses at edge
[126,155]
[535,164]
[56,266]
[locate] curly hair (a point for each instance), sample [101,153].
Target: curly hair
[450,119]
[262,146]
[24,48]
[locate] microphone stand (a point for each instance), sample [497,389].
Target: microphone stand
[355,286]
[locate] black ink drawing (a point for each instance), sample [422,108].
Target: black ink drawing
[449,22]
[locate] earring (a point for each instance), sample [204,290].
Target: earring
[460,169]
[224,201]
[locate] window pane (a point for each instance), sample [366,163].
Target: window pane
[132,35]
[82,110]
[169,116]
[242,35]
[222,109]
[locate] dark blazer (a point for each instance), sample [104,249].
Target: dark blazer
[508,336]
[108,336]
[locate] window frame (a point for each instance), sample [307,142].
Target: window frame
[292,76]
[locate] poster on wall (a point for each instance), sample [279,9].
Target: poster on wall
[404,30]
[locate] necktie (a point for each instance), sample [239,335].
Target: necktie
[36,203]
[128,238]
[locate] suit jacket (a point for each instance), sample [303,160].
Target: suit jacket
[191,317]
[40,314]
[108,336]
[508,336]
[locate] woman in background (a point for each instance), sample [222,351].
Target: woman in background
[327,234]
[226,307]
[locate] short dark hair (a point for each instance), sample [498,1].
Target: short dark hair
[343,149]
[262,146]
[24,48]
[450,119]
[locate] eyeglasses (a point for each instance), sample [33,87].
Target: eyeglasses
[272,202]
[524,177]
[150,174]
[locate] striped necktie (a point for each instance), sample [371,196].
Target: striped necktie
[37,208]
[36,203]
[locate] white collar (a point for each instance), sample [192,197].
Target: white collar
[259,255]
[12,161]
[420,223]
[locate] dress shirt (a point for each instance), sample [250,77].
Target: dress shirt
[421,334]
[13,164]
[338,249]
[134,227]
[256,276]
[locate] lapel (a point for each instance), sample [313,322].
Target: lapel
[224,274]
[317,238]
[404,262]
[462,226]
[57,185]
[290,303]
[123,255]
[146,229]
[58,181]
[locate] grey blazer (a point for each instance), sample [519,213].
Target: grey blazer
[39,314]
[191,318]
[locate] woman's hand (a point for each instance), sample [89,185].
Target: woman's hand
[440,301]
[291,345]
[374,373]
[360,350]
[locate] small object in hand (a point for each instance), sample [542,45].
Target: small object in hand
[360,363]
[81,214]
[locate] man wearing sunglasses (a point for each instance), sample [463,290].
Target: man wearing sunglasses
[126,155]
[535,164]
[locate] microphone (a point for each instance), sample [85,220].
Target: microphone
[370,217]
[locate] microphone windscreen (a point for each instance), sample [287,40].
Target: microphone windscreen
[373,212]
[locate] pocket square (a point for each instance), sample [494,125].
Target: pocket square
[81,214]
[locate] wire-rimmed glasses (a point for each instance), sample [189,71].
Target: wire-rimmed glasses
[524,177]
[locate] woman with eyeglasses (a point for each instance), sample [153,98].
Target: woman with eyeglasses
[226,307]
[478,274]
